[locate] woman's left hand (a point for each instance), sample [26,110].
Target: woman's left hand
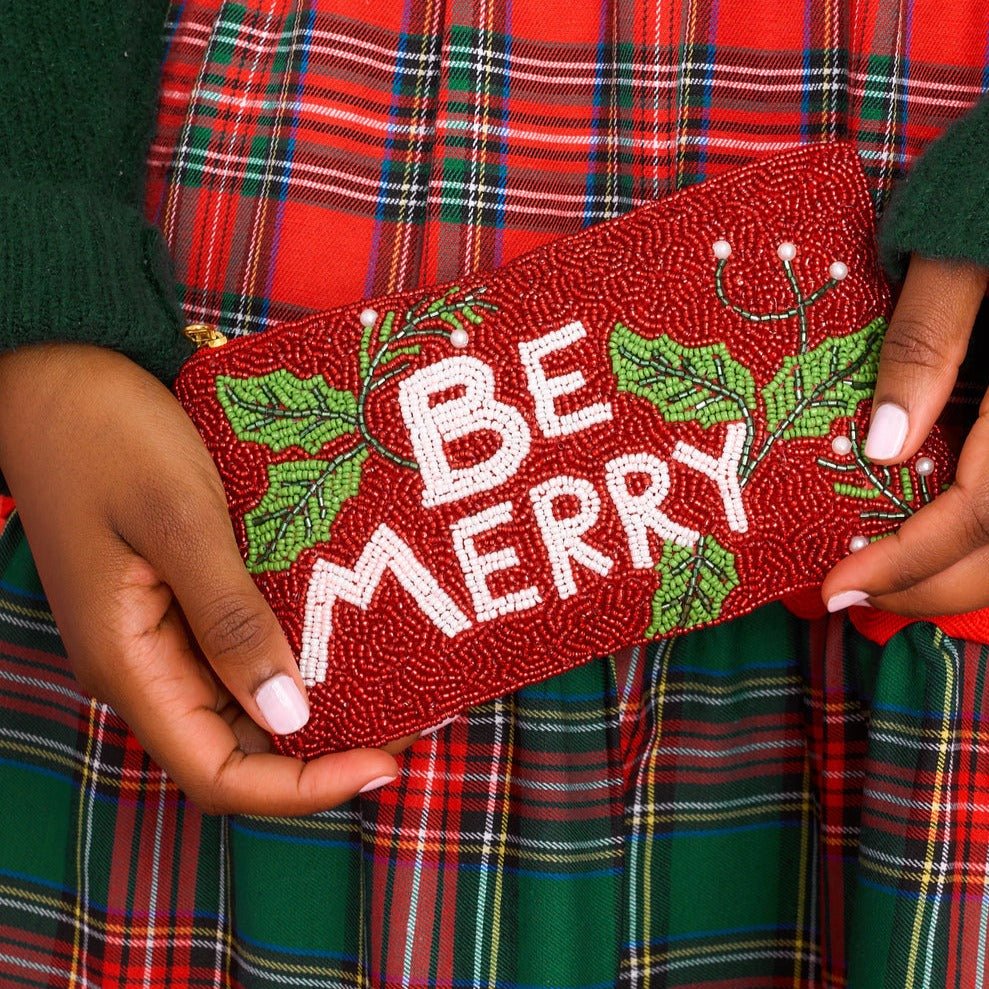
[938,561]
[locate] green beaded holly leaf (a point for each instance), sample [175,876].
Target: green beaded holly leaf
[686,384]
[281,410]
[303,500]
[811,390]
[695,582]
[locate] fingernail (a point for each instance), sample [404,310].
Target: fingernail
[375,783]
[436,728]
[887,433]
[846,599]
[282,704]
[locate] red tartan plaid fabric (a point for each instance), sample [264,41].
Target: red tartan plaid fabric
[771,803]
[310,156]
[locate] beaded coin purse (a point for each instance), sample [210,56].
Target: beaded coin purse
[651,426]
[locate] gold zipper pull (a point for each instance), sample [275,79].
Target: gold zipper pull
[204,335]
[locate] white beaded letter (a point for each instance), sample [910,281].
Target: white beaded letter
[640,513]
[385,551]
[723,471]
[562,536]
[431,426]
[546,390]
[477,567]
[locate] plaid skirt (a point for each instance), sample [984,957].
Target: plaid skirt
[773,802]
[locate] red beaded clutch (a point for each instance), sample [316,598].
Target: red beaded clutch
[652,426]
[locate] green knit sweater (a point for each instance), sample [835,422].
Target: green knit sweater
[941,209]
[78,84]
[78,262]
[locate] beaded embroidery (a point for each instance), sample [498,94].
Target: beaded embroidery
[652,426]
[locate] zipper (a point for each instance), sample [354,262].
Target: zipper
[204,335]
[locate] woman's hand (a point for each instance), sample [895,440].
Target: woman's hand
[128,524]
[938,561]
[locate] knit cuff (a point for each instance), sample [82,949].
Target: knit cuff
[941,209]
[75,266]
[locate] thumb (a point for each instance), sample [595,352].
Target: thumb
[238,633]
[924,347]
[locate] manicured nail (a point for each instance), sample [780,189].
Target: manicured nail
[436,728]
[887,433]
[282,704]
[846,599]
[375,783]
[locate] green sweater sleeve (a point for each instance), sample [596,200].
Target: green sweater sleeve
[941,208]
[78,85]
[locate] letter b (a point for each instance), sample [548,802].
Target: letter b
[432,425]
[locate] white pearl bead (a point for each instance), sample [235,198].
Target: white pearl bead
[459,338]
[924,466]
[722,250]
[857,543]
[786,251]
[838,270]
[841,445]
[368,317]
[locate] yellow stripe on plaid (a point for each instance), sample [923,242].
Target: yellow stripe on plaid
[80,912]
[938,825]
[648,822]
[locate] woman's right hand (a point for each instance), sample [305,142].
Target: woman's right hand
[128,524]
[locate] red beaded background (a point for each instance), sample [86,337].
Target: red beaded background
[391,671]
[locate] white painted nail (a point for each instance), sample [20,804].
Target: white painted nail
[838,602]
[379,781]
[282,704]
[436,728]
[890,425]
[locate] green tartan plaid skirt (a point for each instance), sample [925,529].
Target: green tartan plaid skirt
[770,803]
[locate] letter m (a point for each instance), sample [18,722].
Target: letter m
[385,552]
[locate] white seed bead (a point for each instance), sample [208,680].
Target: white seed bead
[841,445]
[924,466]
[838,270]
[722,250]
[786,251]
[857,543]
[368,318]
[459,338]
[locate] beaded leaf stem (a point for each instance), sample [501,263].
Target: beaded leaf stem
[890,494]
